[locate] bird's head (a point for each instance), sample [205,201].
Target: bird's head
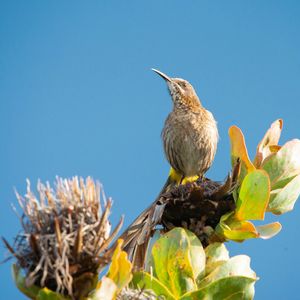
[181,91]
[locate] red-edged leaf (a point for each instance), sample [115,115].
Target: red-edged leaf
[239,150]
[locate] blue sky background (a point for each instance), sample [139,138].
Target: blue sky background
[77,97]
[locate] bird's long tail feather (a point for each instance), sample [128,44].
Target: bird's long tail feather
[136,237]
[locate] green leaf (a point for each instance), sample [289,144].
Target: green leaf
[232,288]
[144,280]
[283,165]
[46,294]
[253,196]
[269,230]
[233,279]
[34,292]
[236,266]
[19,280]
[179,259]
[283,200]
[120,268]
[197,255]
[216,254]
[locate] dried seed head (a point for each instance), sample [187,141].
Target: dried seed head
[65,234]
[198,206]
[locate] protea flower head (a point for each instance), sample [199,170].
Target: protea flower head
[199,206]
[65,235]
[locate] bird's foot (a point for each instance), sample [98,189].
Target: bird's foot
[181,179]
[186,180]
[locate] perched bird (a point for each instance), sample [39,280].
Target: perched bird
[190,138]
[190,133]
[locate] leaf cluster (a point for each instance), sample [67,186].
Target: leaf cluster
[269,183]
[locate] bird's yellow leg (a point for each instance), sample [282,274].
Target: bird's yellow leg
[189,179]
[179,179]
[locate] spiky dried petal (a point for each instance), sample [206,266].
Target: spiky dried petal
[66,233]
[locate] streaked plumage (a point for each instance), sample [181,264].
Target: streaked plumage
[190,137]
[190,140]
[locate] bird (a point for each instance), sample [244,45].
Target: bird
[190,133]
[189,137]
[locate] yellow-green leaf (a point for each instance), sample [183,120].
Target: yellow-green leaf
[253,196]
[232,229]
[179,260]
[142,280]
[34,292]
[283,200]
[120,268]
[240,231]
[233,279]
[283,165]
[236,266]
[231,288]
[46,294]
[30,292]
[239,150]
[216,254]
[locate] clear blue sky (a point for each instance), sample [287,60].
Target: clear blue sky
[77,97]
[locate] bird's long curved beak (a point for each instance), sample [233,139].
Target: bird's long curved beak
[161,74]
